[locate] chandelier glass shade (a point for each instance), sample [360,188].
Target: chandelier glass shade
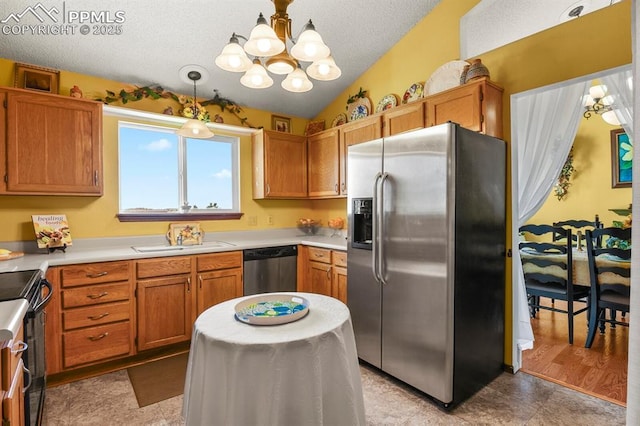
[600,103]
[268,45]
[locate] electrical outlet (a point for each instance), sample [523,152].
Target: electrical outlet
[270,220]
[253,220]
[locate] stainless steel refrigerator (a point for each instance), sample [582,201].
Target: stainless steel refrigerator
[426,254]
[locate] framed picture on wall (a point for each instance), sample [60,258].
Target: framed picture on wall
[281,124]
[36,78]
[621,159]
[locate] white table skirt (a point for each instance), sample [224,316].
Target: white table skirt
[301,373]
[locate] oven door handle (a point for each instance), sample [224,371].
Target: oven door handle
[43,302]
[30,376]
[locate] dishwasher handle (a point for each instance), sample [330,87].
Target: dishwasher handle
[270,252]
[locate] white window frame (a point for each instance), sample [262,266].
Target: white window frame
[168,126]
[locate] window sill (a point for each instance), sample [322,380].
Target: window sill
[163,217]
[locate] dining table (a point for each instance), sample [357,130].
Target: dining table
[300,372]
[580,265]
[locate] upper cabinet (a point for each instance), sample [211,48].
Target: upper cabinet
[476,105]
[50,144]
[324,164]
[279,165]
[403,118]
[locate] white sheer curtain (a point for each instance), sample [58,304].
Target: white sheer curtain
[620,86]
[547,122]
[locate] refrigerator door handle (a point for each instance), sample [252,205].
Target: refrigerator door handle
[380,213]
[375,266]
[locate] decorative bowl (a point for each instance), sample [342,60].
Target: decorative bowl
[308,226]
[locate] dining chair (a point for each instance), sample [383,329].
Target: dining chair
[581,225]
[610,272]
[548,272]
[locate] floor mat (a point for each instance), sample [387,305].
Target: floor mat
[159,380]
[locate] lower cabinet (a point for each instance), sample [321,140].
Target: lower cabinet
[219,278]
[165,299]
[323,271]
[91,316]
[12,380]
[13,399]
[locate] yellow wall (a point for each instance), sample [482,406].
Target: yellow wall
[590,192]
[91,217]
[434,41]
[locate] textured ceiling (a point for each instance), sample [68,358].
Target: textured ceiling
[158,38]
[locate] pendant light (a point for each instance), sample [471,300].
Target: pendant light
[194,128]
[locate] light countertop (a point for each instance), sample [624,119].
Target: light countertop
[121,248]
[11,314]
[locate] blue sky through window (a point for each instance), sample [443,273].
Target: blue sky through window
[149,170]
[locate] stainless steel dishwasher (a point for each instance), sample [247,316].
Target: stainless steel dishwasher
[270,269]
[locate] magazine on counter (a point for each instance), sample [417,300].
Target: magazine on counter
[52,230]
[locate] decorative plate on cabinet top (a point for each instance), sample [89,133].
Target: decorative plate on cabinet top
[358,112]
[413,93]
[272,309]
[339,120]
[445,77]
[387,102]
[359,108]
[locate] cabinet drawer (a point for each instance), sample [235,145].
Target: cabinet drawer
[319,255]
[11,355]
[209,262]
[95,294]
[93,273]
[95,315]
[340,258]
[147,268]
[96,343]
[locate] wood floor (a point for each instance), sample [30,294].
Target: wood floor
[600,371]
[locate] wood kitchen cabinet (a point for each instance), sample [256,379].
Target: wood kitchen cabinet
[352,133]
[279,165]
[12,380]
[165,300]
[323,271]
[326,161]
[50,144]
[403,118]
[219,278]
[476,105]
[13,399]
[91,315]
[339,277]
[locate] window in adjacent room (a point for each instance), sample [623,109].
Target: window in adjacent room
[163,174]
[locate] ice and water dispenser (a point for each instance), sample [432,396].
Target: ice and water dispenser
[362,223]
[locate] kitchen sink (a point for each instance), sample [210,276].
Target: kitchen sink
[164,248]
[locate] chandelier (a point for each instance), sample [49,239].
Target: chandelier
[600,103]
[267,44]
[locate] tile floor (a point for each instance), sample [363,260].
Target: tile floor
[518,399]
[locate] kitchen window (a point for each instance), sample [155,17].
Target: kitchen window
[164,176]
